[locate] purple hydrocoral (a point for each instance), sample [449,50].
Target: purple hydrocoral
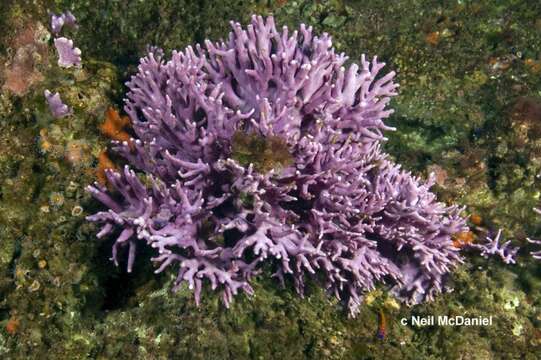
[58,21]
[536,254]
[493,247]
[341,210]
[57,107]
[68,55]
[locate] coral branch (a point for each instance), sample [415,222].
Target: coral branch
[58,21]
[68,55]
[492,247]
[57,107]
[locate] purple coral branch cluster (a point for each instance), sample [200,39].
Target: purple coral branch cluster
[57,107]
[68,54]
[58,21]
[341,212]
[493,247]
[535,254]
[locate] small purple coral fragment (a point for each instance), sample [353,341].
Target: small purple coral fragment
[57,107]
[341,212]
[492,247]
[68,55]
[58,21]
[536,254]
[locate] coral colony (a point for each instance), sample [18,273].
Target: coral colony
[57,107]
[536,254]
[68,56]
[58,21]
[492,247]
[266,149]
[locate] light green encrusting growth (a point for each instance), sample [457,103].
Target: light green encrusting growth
[469,109]
[265,153]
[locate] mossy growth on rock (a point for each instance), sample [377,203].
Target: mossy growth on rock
[265,153]
[469,75]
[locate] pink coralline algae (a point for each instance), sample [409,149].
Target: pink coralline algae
[57,107]
[68,55]
[340,212]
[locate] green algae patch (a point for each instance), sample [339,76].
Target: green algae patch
[265,153]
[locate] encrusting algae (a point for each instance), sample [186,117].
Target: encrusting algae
[466,238]
[265,153]
[115,126]
[12,325]
[462,239]
[476,219]
[104,163]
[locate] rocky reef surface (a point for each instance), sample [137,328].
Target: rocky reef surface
[469,110]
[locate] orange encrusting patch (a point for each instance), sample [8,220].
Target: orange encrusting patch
[12,325]
[533,65]
[433,38]
[104,163]
[114,126]
[462,239]
[476,219]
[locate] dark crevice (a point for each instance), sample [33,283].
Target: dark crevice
[120,287]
